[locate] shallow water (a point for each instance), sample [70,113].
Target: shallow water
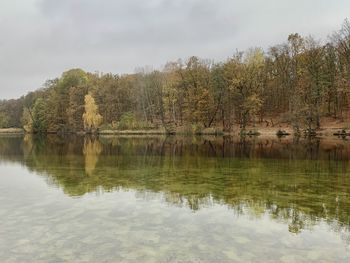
[175,199]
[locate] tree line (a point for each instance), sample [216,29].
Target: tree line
[297,82]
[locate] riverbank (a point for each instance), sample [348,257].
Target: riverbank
[133,132]
[12,131]
[258,130]
[329,129]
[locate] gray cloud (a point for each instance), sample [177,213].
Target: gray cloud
[42,38]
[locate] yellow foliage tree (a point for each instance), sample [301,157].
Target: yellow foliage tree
[92,119]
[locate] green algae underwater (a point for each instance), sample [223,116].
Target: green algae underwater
[173,199]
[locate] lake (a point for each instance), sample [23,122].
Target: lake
[174,199]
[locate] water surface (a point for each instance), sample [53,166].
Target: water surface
[173,199]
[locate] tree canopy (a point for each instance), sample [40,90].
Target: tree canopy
[297,82]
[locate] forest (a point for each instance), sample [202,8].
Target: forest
[298,82]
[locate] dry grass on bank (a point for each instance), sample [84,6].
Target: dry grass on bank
[11,131]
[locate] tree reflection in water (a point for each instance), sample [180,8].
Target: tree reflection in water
[297,182]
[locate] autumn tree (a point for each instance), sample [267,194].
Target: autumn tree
[279,66]
[172,96]
[295,48]
[10,113]
[39,124]
[245,75]
[4,120]
[92,119]
[341,42]
[331,89]
[315,81]
[195,81]
[27,120]
[221,97]
[59,99]
[76,107]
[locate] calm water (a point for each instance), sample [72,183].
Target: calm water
[157,199]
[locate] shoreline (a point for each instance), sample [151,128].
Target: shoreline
[14,131]
[262,132]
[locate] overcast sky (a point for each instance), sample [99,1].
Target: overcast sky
[39,39]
